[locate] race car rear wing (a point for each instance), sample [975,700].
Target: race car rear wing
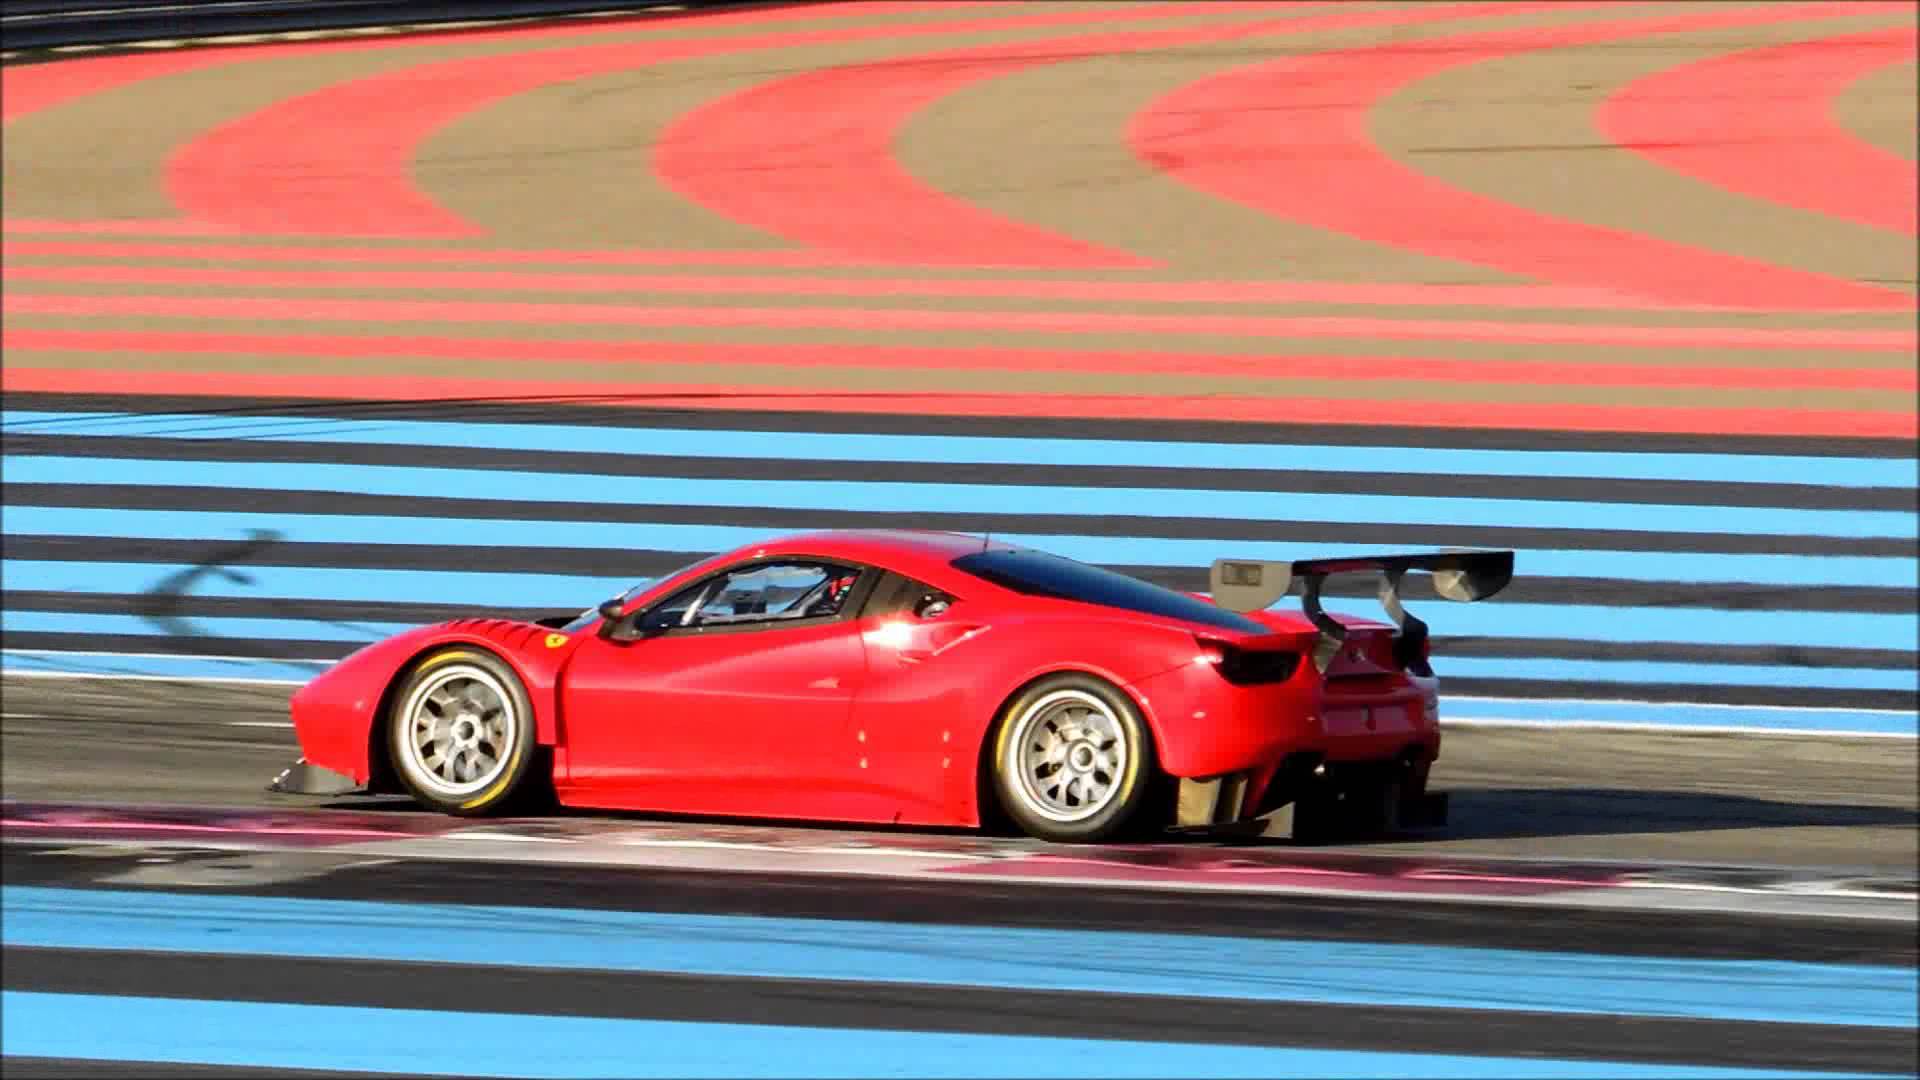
[1248,585]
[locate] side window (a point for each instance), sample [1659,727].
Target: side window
[672,611]
[762,593]
[896,594]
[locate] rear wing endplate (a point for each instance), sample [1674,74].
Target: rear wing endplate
[1251,585]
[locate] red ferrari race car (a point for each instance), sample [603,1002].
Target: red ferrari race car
[914,678]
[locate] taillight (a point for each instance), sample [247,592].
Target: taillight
[1243,667]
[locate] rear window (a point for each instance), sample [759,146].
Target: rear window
[1037,573]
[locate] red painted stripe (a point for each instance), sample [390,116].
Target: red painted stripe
[355,178]
[1396,369]
[26,89]
[1791,422]
[1217,135]
[116,227]
[29,88]
[1189,292]
[810,157]
[466,311]
[1760,122]
[758,259]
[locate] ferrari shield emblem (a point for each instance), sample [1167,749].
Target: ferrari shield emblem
[554,641]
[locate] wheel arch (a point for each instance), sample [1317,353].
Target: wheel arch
[381,778]
[540,682]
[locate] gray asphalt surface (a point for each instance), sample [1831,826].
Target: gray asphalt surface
[1745,799]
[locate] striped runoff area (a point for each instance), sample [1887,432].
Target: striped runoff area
[272,981]
[403,519]
[1778,587]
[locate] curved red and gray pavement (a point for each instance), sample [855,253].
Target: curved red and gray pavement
[1612,217]
[1628,287]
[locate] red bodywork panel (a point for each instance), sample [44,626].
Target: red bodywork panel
[879,718]
[333,715]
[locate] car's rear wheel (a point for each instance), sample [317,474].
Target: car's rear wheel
[1073,759]
[461,732]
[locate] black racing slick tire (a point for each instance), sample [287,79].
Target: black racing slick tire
[1073,759]
[460,732]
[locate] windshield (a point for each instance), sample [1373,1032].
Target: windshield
[592,615]
[1037,573]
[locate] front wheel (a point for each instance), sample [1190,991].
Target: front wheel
[461,732]
[1073,759]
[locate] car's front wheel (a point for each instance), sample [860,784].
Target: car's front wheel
[461,731]
[1073,759]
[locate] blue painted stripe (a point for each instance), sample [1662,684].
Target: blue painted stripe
[562,592]
[1109,962]
[961,498]
[1477,667]
[426,1042]
[947,449]
[1462,709]
[217,626]
[1783,570]
[1493,619]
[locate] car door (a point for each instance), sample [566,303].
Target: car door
[732,699]
[911,717]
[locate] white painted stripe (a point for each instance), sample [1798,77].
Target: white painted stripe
[1496,723]
[161,656]
[1461,699]
[26,673]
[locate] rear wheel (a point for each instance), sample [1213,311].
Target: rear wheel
[1073,759]
[461,732]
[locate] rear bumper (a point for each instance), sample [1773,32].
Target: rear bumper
[1241,752]
[1362,725]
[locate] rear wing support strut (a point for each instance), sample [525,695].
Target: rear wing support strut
[1249,585]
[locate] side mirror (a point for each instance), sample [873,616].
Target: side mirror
[609,611]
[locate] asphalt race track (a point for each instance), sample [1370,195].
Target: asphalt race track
[1727,799]
[193,926]
[311,337]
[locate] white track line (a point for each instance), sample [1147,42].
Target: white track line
[164,656]
[1499,723]
[1459,699]
[221,679]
